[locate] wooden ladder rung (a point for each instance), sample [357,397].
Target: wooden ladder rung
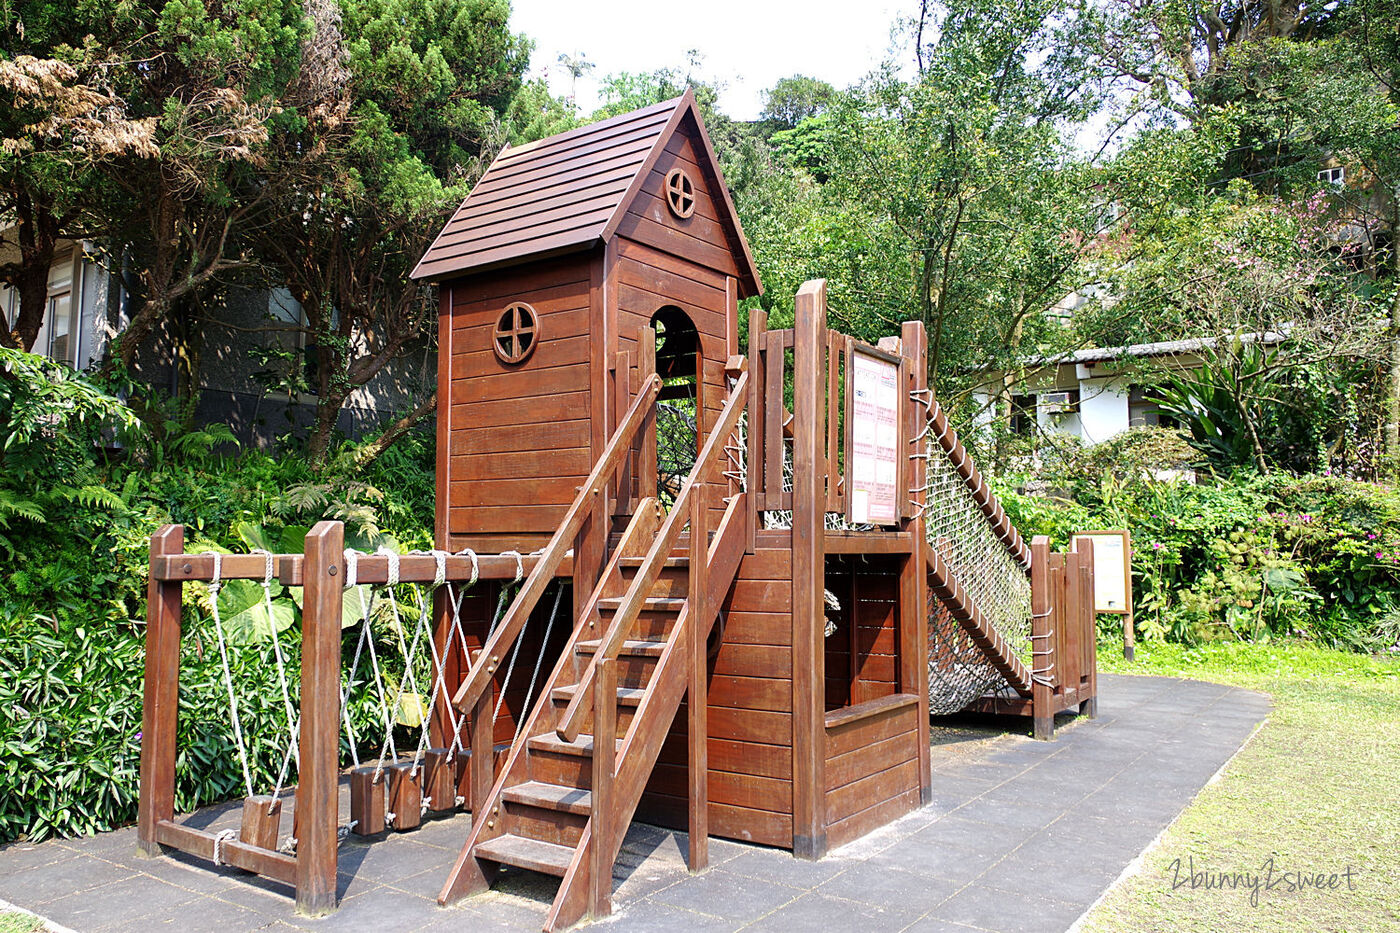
[550,742]
[626,696]
[551,797]
[524,852]
[650,604]
[630,648]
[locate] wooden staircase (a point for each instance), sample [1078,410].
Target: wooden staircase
[571,783]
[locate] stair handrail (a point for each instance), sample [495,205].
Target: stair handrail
[503,638]
[982,493]
[571,723]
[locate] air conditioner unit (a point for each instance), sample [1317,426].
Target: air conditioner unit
[1060,402]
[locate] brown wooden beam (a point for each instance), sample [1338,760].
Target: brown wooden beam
[808,575]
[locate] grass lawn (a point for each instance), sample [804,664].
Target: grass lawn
[12,921]
[1317,790]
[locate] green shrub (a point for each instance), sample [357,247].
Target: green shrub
[72,599]
[1248,557]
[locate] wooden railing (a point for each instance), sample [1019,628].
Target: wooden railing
[503,638]
[321,569]
[571,722]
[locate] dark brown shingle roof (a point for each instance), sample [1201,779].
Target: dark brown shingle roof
[564,193]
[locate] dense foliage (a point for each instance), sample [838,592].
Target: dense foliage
[1243,557]
[75,519]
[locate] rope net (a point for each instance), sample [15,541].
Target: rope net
[959,672]
[993,579]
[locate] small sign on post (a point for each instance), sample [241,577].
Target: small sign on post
[873,441]
[1113,577]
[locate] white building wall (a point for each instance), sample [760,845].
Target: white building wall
[1103,409]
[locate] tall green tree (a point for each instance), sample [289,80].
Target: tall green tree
[397,109]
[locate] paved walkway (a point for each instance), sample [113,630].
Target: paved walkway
[1020,836]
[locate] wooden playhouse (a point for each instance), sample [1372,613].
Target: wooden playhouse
[756,573]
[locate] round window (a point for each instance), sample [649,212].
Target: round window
[680,193]
[517,331]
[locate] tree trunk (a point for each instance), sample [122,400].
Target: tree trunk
[318,444]
[367,453]
[38,241]
[1392,408]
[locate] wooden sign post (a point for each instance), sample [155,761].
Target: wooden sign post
[1113,577]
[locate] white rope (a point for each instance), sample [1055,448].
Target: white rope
[409,678]
[222,837]
[215,585]
[293,726]
[539,660]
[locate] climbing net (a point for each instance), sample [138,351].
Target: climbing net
[994,580]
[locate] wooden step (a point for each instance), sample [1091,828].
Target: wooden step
[632,563]
[528,853]
[551,797]
[650,604]
[626,696]
[639,649]
[550,742]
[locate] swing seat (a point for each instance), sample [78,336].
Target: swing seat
[366,802]
[262,821]
[439,781]
[405,794]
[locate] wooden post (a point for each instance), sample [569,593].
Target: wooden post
[758,322]
[405,794]
[482,763]
[604,770]
[262,822]
[317,794]
[160,707]
[366,801]
[698,700]
[1129,636]
[1088,673]
[913,577]
[808,576]
[646,461]
[1042,654]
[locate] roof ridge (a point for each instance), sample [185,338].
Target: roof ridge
[589,129]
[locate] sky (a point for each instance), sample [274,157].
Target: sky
[747,45]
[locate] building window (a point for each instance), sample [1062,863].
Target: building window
[62,328]
[1023,415]
[1335,176]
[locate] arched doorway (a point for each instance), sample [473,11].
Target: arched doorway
[678,362]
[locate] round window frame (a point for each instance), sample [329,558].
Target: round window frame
[679,185]
[508,328]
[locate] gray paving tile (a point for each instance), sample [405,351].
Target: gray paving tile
[722,893]
[650,916]
[819,912]
[120,905]
[780,867]
[34,889]
[200,916]
[20,858]
[992,909]
[885,886]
